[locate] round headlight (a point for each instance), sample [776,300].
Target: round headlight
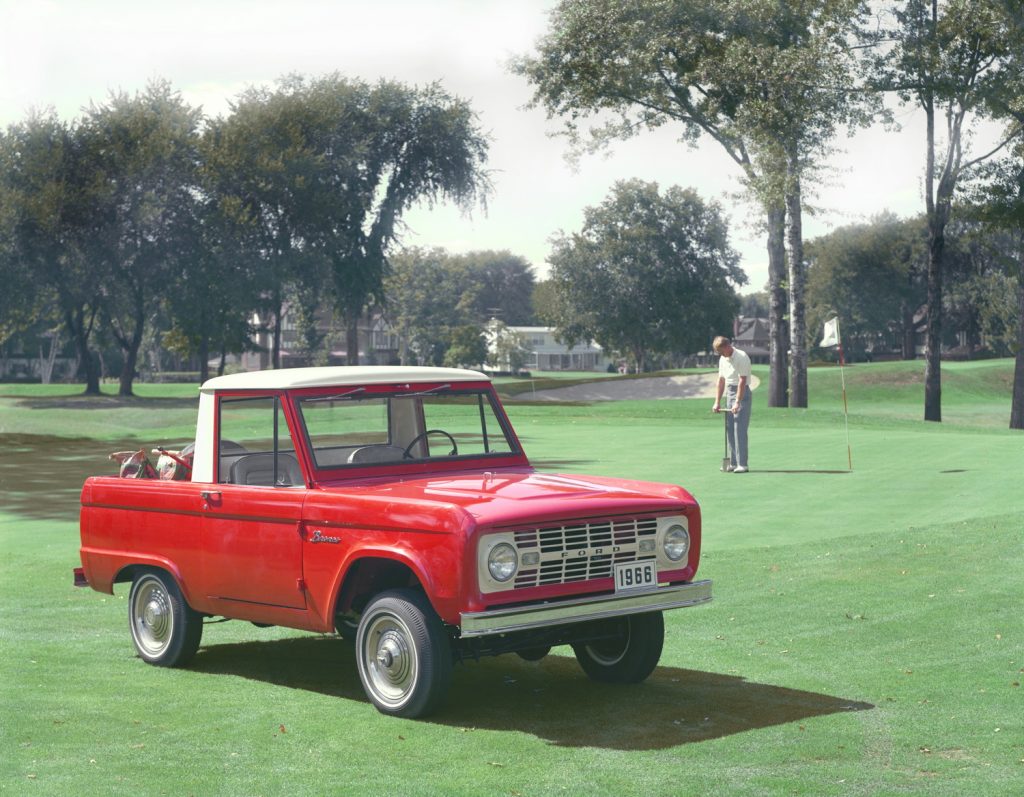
[676,542]
[502,562]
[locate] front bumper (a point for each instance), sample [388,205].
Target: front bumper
[543,615]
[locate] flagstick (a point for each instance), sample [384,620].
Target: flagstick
[846,411]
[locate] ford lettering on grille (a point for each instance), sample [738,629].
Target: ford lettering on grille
[581,550]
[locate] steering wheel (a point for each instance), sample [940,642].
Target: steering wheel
[407,454]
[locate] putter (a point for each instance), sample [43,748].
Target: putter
[726,462]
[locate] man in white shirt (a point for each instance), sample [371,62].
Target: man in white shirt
[734,382]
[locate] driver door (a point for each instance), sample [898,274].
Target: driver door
[251,538]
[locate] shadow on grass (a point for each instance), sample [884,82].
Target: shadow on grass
[105,402]
[42,476]
[763,470]
[551,699]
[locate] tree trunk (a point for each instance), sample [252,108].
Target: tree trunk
[936,242]
[352,339]
[778,334]
[933,344]
[46,362]
[79,330]
[204,358]
[909,345]
[131,358]
[640,358]
[797,281]
[275,334]
[1017,404]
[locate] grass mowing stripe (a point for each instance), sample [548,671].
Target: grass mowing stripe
[865,637]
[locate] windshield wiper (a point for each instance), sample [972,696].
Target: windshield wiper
[423,392]
[338,396]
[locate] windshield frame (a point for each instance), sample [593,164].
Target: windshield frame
[471,461]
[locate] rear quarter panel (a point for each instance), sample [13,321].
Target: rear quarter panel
[139,521]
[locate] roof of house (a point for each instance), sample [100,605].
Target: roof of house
[285,378]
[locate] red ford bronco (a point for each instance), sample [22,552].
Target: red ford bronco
[396,507]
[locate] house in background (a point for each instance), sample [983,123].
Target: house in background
[750,334]
[379,344]
[547,354]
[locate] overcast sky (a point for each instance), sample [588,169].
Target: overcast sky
[66,53]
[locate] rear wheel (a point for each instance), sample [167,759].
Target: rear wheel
[628,656]
[166,630]
[403,654]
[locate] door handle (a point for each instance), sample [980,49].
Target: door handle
[209,497]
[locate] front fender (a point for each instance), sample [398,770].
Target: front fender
[439,583]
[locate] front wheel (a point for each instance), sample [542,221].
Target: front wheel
[166,630]
[403,654]
[628,656]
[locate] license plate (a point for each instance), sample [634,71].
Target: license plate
[635,575]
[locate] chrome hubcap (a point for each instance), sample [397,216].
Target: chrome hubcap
[391,665]
[153,620]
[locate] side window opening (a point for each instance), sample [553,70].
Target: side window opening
[255,446]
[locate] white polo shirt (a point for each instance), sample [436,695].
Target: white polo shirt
[732,368]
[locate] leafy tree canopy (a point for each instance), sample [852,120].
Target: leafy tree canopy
[648,273]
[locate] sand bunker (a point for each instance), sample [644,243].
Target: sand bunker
[655,387]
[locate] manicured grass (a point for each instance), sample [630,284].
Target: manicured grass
[865,638]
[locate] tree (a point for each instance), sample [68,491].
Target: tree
[258,171]
[422,298]
[979,299]
[212,292]
[428,293]
[1005,201]
[999,206]
[648,273]
[544,301]
[507,349]
[871,275]
[141,152]
[46,203]
[320,172]
[467,347]
[951,59]
[755,305]
[495,285]
[766,81]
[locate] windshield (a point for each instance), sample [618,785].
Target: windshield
[362,428]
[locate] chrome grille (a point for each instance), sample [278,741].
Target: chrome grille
[581,550]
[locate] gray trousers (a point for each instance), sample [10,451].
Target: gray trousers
[736,425]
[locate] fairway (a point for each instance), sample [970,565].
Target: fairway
[866,635]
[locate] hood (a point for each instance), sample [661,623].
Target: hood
[509,495]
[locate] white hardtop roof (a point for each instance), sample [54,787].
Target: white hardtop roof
[284,378]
